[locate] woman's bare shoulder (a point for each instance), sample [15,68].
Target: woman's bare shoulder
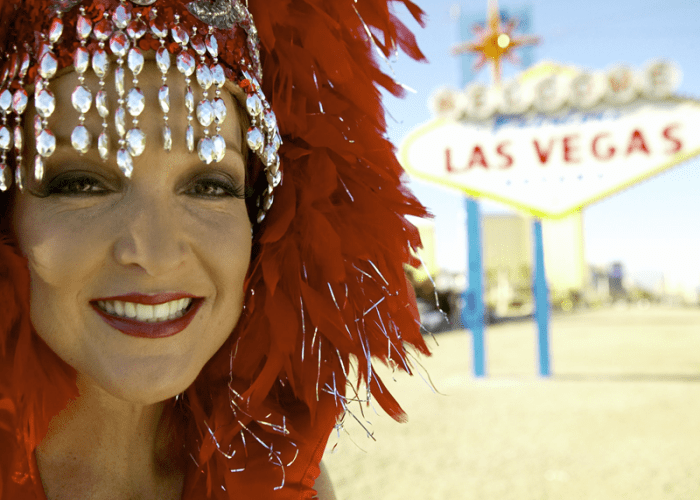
[324,485]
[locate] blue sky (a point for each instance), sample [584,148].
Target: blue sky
[653,227]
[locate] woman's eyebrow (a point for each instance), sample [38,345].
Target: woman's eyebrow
[66,157]
[234,167]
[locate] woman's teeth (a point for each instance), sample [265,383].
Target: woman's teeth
[142,312]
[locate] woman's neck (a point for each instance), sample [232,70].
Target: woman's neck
[102,447]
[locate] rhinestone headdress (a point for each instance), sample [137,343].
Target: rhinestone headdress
[101,35]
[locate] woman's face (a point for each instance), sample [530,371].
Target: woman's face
[175,234]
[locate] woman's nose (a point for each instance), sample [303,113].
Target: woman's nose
[151,238]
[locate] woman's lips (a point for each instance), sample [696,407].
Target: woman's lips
[152,330]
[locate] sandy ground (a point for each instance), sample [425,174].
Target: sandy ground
[619,419]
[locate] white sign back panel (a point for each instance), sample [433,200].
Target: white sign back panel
[552,165]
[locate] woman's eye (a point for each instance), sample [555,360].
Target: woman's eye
[210,188]
[76,185]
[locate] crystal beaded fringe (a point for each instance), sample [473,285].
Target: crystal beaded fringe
[118,33]
[82,97]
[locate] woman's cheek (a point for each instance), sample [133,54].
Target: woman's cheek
[58,252]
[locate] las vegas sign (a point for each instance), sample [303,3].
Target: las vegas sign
[559,140]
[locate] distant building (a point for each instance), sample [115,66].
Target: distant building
[616,279]
[564,257]
[427,254]
[599,289]
[508,249]
[508,260]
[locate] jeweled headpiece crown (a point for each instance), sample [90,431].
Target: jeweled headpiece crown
[93,35]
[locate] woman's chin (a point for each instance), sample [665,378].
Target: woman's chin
[139,388]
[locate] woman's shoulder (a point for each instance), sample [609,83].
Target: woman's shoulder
[324,485]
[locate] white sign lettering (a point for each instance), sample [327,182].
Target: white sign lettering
[551,89]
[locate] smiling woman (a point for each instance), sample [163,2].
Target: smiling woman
[174,234]
[169,329]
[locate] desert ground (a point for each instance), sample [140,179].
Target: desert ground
[618,419]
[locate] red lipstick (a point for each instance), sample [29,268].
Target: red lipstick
[159,329]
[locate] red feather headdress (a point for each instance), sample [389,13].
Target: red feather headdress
[326,283]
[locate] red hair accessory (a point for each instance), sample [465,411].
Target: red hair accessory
[326,284]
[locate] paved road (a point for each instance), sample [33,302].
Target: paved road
[620,418]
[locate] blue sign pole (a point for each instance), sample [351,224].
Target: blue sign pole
[473,297]
[473,309]
[541,301]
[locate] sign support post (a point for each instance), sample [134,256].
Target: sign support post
[473,298]
[492,46]
[541,301]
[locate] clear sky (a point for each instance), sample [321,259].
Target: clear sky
[652,227]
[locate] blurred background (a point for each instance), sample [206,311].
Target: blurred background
[616,418]
[644,238]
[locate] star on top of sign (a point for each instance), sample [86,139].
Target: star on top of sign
[495,41]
